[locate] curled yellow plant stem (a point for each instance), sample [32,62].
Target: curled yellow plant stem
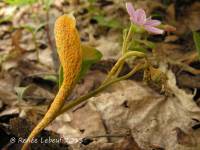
[70,54]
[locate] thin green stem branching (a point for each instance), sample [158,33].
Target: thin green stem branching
[81,99]
[126,40]
[121,62]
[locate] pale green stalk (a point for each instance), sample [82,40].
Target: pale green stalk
[81,99]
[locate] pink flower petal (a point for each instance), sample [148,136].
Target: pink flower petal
[140,16]
[154,30]
[130,9]
[150,22]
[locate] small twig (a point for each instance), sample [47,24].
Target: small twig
[109,135]
[52,47]
[184,67]
[48,31]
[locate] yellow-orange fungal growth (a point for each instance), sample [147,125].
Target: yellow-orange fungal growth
[70,54]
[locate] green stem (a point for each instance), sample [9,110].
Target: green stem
[124,49]
[126,40]
[121,61]
[81,99]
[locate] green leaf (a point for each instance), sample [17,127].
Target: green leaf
[30,28]
[21,91]
[137,29]
[148,44]
[196,38]
[6,19]
[136,46]
[90,56]
[47,4]
[103,21]
[40,27]
[49,77]
[20,2]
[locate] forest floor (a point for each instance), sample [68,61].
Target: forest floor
[129,115]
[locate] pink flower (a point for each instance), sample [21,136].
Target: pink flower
[139,18]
